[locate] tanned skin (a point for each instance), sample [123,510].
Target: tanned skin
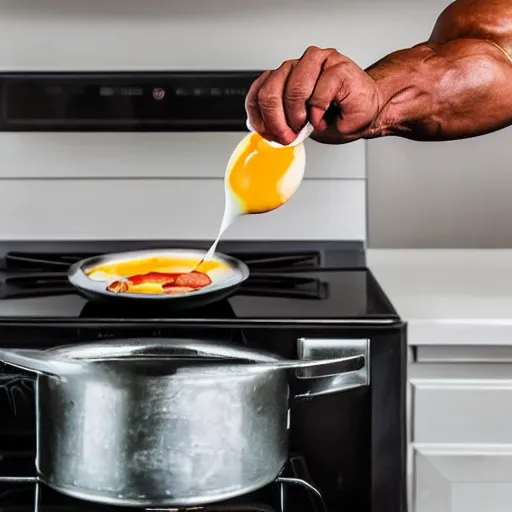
[456,85]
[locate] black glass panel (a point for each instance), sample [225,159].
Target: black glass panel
[174,101]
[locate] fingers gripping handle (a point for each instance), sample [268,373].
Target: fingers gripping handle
[301,137]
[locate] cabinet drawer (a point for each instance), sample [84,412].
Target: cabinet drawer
[463,354]
[453,478]
[462,411]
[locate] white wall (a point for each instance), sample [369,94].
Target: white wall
[446,195]
[165,185]
[439,195]
[169,185]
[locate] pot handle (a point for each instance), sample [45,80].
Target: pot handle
[38,361]
[347,368]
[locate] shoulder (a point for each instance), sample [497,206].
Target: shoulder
[489,20]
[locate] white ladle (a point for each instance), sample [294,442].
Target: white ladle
[232,209]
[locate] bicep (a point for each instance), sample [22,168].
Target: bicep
[488,20]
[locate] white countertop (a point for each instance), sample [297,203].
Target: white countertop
[455,297]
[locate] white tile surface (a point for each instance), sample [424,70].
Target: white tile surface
[453,297]
[172,209]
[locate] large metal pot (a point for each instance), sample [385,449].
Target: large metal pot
[169,422]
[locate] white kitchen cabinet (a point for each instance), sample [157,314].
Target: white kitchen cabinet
[461,438]
[458,308]
[463,478]
[464,354]
[457,411]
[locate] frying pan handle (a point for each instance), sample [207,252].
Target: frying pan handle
[316,375]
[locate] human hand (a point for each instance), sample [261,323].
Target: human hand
[323,87]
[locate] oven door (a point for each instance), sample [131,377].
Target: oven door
[351,443]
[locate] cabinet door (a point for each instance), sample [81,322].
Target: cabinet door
[462,478]
[461,450]
[462,411]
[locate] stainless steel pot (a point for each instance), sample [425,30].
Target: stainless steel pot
[170,422]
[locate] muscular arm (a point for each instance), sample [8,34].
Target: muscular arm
[456,85]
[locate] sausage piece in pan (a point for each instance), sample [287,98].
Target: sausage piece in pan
[118,287]
[170,284]
[152,277]
[177,290]
[194,279]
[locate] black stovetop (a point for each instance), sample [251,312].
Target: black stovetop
[289,281]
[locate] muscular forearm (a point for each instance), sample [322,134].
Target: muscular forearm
[458,84]
[443,91]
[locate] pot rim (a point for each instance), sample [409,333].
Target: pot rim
[160,348]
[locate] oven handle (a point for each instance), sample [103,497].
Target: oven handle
[317,380]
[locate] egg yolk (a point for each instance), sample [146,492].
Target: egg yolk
[256,174]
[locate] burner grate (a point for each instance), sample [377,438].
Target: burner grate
[260,285]
[291,494]
[45,274]
[281,261]
[42,261]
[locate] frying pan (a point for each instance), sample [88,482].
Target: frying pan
[225,280]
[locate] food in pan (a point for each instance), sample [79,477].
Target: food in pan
[159,283]
[156,276]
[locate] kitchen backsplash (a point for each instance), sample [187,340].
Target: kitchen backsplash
[170,185]
[441,195]
[159,186]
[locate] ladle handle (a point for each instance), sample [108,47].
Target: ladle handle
[38,361]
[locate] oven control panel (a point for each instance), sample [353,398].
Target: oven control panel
[122,101]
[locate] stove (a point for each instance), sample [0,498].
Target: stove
[347,450]
[288,282]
